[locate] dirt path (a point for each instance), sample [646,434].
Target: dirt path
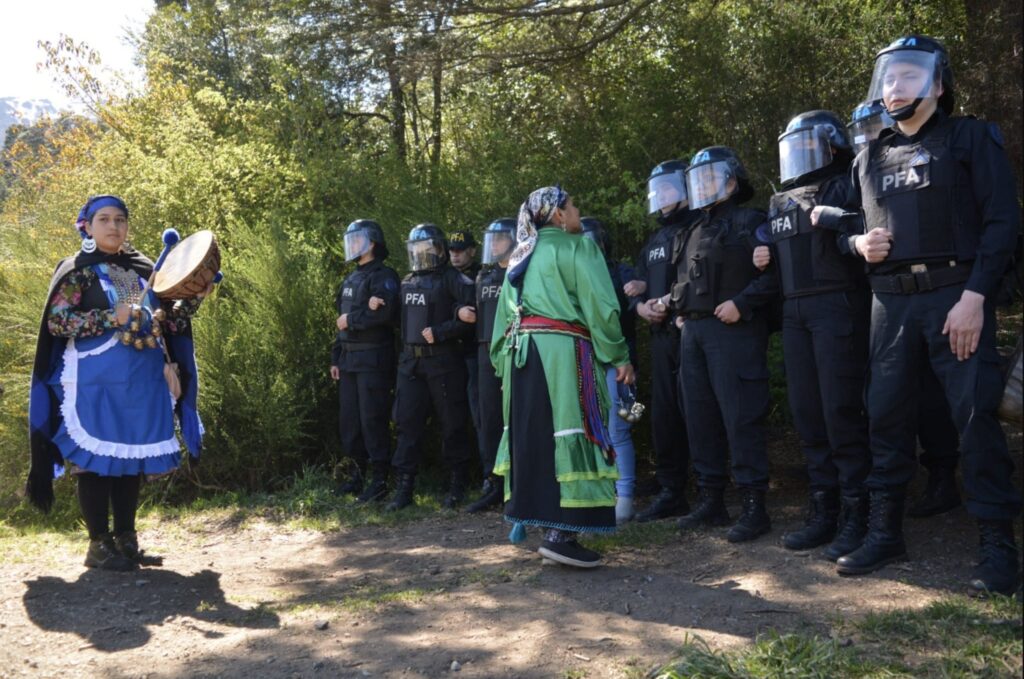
[408,601]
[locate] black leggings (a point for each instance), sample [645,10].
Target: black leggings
[97,494]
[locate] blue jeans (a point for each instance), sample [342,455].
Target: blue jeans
[622,440]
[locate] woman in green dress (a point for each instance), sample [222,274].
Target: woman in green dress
[557,323]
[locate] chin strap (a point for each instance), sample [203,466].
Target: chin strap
[907,111]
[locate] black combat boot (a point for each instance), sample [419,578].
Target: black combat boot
[354,485]
[128,544]
[884,541]
[404,487]
[940,494]
[377,489]
[710,510]
[103,554]
[493,494]
[456,489]
[753,521]
[853,525]
[820,525]
[669,502]
[997,572]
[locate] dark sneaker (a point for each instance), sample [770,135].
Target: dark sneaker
[570,553]
[128,545]
[103,554]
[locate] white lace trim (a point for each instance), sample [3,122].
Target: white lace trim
[86,441]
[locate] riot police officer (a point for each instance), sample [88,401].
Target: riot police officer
[363,358]
[431,369]
[824,330]
[499,242]
[941,219]
[721,298]
[666,197]
[462,250]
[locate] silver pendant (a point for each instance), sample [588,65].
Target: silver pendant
[88,245]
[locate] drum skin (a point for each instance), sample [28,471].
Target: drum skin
[189,268]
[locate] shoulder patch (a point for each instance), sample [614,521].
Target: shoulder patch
[763,233]
[390,284]
[996,134]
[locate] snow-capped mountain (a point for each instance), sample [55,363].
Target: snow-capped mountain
[14,110]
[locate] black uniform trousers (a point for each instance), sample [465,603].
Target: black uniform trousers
[438,380]
[904,330]
[936,433]
[668,417]
[491,415]
[473,390]
[825,344]
[364,404]
[724,371]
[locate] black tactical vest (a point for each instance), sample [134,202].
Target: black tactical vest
[657,256]
[425,303]
[488,286]
[921,195]
[715,263]
[355,294]
[809,260]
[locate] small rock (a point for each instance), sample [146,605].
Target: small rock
[455,666]
[321,624]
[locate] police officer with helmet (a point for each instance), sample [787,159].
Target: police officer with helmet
[462,251]
[824,330]
[941,219]
[431,370]
[363,358]
[721,299]
[655,274]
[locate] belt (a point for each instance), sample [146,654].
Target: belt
[362,346]
[921,278]
[697,315]
[421,350]
[542,324]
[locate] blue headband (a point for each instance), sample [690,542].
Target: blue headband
[94,205]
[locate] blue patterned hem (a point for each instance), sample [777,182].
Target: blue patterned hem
[560,526]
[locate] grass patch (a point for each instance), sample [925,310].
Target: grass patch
[652,533]
[954,637]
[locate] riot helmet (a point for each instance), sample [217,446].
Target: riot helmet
[426,247]
[809,143]
[595,231]
[866,122]
[666,185]
[908,71]
[360,237]
[715,174]
[499,241]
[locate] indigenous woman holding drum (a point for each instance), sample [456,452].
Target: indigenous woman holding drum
[557,322]
[103,394]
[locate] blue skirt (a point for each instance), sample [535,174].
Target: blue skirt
[117,414]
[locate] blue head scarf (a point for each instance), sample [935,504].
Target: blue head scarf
[94,205]
[533,214]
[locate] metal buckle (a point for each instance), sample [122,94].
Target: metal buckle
[918,268]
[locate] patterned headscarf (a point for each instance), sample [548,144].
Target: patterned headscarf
[94,205]
[533,214]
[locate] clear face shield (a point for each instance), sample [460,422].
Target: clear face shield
[866,130]
[903,76]
[498,246]
[710,183]
[424,254]
[665,190]
[804,151]
[357,244]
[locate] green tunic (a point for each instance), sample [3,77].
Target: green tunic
[567,280]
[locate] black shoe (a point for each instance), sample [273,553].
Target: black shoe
[710,510]
[493,494]
[570,553]
[940,494]
[128,544]
[820,526]
[997,572]
[103,554]
[669,502]
[853,526]
[884,542]
[456,490]
[402,498]
[376,490]
[753,521]
[354,485]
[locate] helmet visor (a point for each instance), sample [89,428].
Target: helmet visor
[665,190]
[901,76]
[866,130]
[424,254]
[357,244]
[498,246]
[710,183]
[803,151]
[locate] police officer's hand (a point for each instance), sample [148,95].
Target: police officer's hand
[727,312]
[343,322]
[963,324]
[679,322]
[428,335]
[625,374]
[375,303]
[335,373]
[467,314]
[649,311]
[762,257]
[874,246]
[634,288]
[816,214]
